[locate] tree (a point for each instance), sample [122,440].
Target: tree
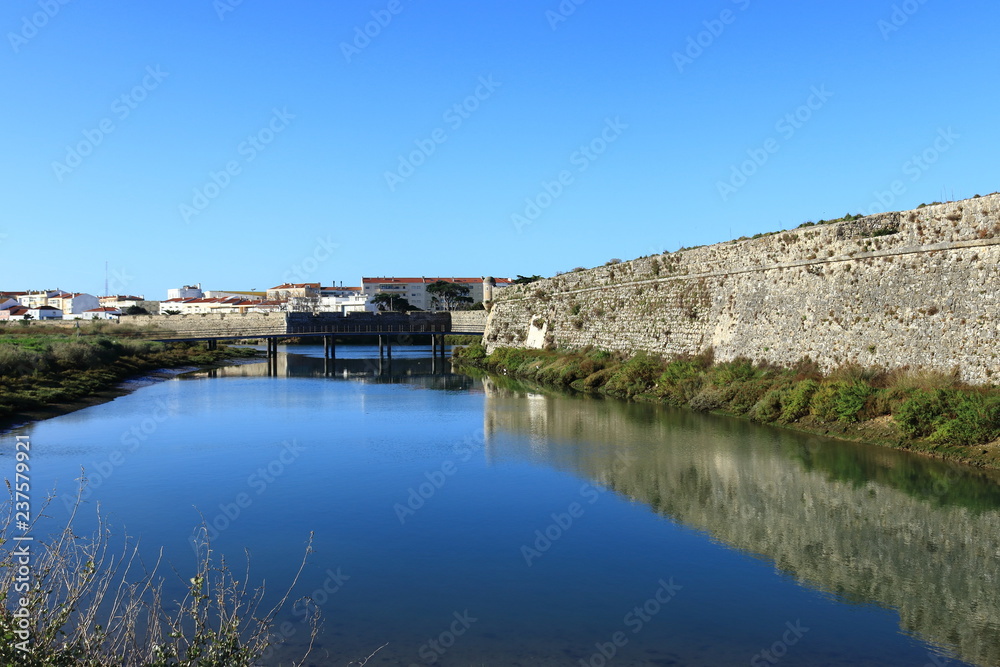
[526,280]
[392,302]
[136,310]
[448,296]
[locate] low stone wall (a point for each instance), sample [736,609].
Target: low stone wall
[230,324]
[917,288]
[468,321]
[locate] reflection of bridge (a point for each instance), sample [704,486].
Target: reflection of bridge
[390,328]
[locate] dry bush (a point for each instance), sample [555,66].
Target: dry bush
[94,603]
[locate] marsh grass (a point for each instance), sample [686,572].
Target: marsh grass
[92,601]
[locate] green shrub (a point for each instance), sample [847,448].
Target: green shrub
[472,352]
[971,419]
[635,376]
[768,408]
[822,405]
[738,370]
[747,394]
[918,416]
[709,398]
[850,399]
[796,401]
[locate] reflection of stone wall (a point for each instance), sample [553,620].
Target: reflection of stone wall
[913,288]
[750,488]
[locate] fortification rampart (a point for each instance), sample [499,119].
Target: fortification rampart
[917,288]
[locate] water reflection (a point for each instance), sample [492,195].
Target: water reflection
[866,524]
[364,365]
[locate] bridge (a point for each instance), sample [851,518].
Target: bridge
[272,327]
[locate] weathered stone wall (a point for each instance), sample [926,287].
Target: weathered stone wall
[209,324]
[916,288]
[468,321]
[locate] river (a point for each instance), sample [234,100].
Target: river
[469,520]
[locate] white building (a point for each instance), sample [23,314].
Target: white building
[122,301]
[353,303]
[32,299]
[45,313]
[102,313]
[186,292]
[74,303]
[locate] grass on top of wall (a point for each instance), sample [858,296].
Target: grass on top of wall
[922,410]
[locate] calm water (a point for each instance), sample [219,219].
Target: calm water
[471,522]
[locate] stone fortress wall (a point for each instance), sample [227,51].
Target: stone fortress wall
[915,288]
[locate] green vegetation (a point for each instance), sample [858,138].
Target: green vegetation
[449,296]
[39,368]
[392,302]
[923,411]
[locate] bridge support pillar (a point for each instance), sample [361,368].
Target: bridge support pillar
[381,353]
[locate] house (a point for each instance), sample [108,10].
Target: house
[415,289]
[102,313]
[294,290]
[14,312]
[355,302]
[122,301]
[32,299]
[186,292]
[45,313]
[74,303]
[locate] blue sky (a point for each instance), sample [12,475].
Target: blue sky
[241,144]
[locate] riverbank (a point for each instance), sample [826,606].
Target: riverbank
[929,413]
[47,374]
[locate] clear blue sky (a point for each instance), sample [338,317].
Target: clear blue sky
[890,87]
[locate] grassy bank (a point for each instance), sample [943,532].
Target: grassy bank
[926,412]
[42,369]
